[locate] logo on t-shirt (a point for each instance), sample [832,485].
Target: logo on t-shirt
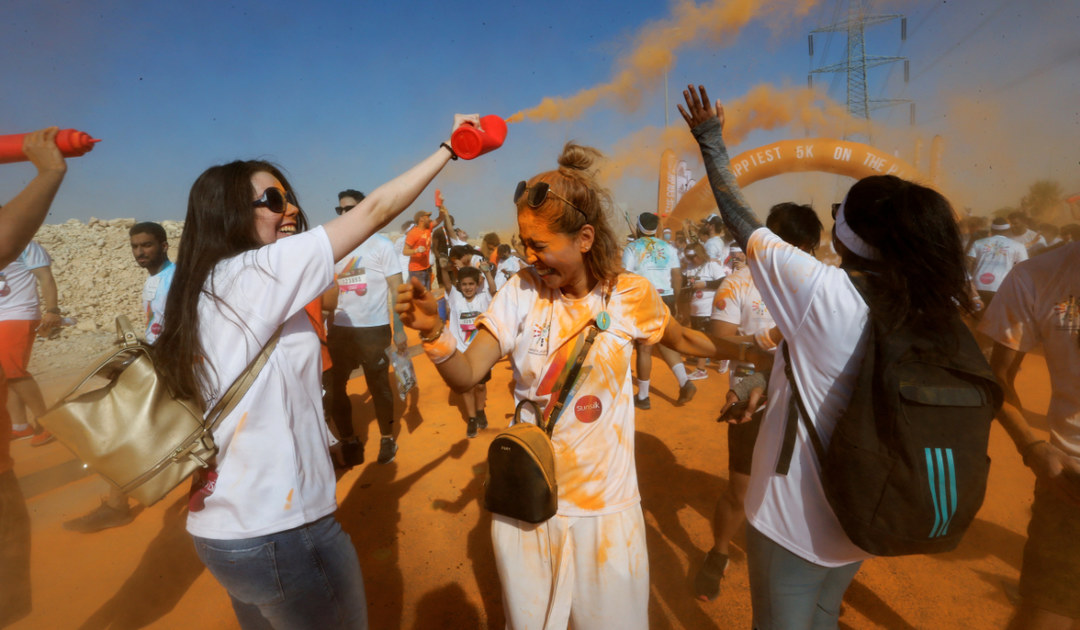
[588,408]
[155,328]
[986,278]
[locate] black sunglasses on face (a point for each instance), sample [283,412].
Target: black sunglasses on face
[343,209]
[273,200]
[538,193]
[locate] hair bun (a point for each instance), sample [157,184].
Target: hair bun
[576,157]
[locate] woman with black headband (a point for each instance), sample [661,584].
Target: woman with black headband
[904,239]
[263,522]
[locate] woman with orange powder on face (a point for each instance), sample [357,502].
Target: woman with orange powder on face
[586,566]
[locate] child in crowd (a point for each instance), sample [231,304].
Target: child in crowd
[508,264]
[465,301]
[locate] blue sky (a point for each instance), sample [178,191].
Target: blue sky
[348,94]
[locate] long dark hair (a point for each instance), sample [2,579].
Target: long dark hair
[920,277]
[575,182]
[220,224]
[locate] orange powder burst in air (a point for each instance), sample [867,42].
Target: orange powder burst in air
[654,52]
[805,111]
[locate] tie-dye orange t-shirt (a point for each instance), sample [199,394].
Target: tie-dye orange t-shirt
[543,331]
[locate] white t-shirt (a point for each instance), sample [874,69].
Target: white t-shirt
[654,259]
[403,260]
[994,257]
[738,302]
[701,300]
[273,463]
[464,314]
[824,320]
[155,294]
[542,331]
[506,270]
[1030,239]
[716,249]
[363,293]
[18,286]
[1040,303]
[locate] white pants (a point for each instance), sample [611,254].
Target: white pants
[587,573]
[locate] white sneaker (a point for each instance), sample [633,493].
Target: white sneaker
[698,375]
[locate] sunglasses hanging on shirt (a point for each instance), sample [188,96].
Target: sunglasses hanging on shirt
[274,200]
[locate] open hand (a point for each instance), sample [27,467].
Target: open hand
[700,110]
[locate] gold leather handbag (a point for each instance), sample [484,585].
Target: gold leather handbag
[132,431]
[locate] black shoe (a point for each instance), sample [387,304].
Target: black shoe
[104,517]
[350,452]
[387,449]
[642,403]
[686,393]
[471,428]
[481,419]
[707,580]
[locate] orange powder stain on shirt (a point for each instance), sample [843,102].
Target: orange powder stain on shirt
[575,486]
[240,425]
[288,499]
[602,550]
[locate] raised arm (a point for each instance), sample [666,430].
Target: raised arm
[707,125]
[384,203]
[21,217]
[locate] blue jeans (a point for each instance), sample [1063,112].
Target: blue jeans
[307,577]
[790,593]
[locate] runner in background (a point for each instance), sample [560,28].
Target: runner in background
[702,276]
[466,300]
[150,248]
[1039,304]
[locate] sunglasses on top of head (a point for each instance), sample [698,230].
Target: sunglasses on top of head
[274,200]
[538,193]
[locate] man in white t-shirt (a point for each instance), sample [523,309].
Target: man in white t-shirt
[1022,233]
[1039,304]
[150,248]
[658,262]
[366,280]
[990,259]
[21,320]
[738,309]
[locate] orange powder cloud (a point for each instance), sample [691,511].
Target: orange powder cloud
[654,53]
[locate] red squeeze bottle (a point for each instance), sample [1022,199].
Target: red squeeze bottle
[71,142]
[470,141]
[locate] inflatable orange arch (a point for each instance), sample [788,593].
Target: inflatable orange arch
[840,157]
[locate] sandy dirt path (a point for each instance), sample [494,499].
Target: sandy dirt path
[424,540]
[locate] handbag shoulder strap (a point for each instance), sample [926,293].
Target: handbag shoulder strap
[236,391]
[571,377]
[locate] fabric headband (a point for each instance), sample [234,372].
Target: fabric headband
[643,229]
[850,239]
[1000,227]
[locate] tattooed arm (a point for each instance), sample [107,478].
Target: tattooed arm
[707,125]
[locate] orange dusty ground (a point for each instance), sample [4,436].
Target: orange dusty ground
[424,544]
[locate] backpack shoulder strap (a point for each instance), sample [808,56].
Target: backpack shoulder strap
[796,409]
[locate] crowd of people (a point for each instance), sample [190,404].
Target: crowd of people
[578,311]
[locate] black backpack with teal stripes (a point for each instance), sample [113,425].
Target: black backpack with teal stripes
[906,466]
